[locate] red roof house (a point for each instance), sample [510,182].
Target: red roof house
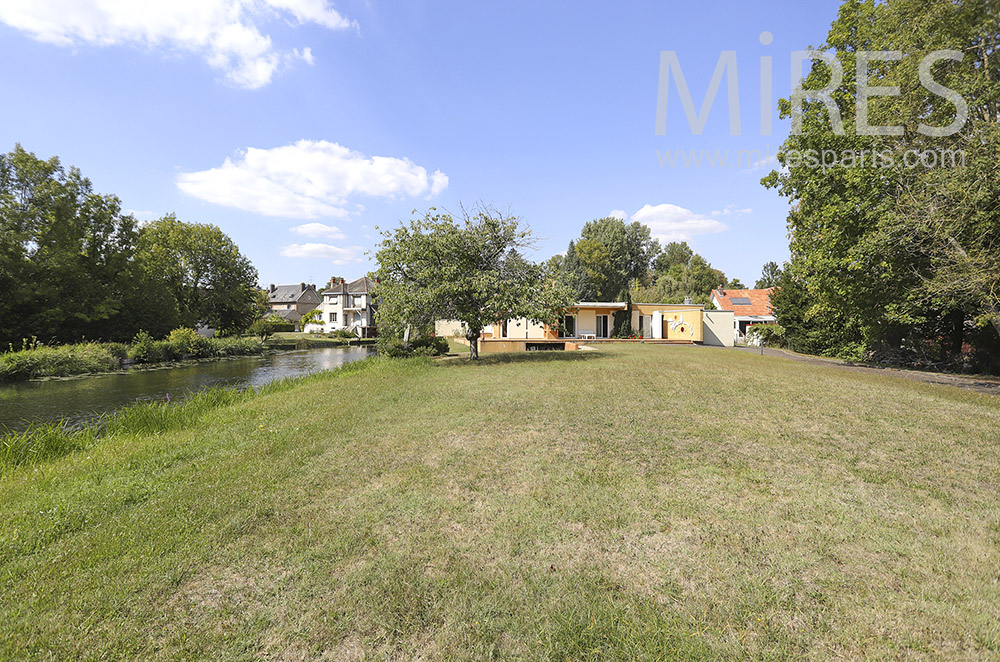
[749,307]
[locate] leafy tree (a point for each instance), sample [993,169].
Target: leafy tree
[903,256]
[314,316]
[769,276]
[679,274]
[208,280]
[65,254]
[607,257]
[471,270]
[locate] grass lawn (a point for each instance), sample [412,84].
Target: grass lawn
[639,502]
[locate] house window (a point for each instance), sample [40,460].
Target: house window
[602,326]
[503,329]
[569,327]
[357,302]
[333,317]
[357,319]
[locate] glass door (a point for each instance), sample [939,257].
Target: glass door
[602,326]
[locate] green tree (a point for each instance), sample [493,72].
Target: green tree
[65,254]
[679,274]
[902,256]
[207,279]
[471,270]
[609,255]
[769,276]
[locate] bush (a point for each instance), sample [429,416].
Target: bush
[187,342]
[144,349]
[345,334]
[393,347]
[767,335]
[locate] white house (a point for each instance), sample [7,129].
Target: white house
[347,306]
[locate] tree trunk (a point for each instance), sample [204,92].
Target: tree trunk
[473,338]
[988,304]
[957,333]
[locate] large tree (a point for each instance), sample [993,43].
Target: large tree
[472,270]
[65,254]
[206,278]
[678,274]
[898,251]
[607,258]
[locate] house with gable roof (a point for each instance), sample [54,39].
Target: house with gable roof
[749,307]
[348,306]
[291,302]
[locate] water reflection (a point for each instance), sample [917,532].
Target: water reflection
[80,400]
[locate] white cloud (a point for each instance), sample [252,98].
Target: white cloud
[308,179]
[617,213]
[348,255]
[226,33]
[319,230]
[672,223]
[733,210]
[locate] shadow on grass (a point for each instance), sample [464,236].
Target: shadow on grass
[523,357]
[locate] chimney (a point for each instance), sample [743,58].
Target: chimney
[688,301]
[302,287]
[271,288]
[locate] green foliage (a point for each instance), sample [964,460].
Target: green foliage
[61,361]
[887,258]
[679,274]
[74,266]
[314,316]
[187,342]
[345,334]
[769,277]
[200,272]
[471,271]
[394,347]
[265,327]
[608,256]
[768,335]
[66,254]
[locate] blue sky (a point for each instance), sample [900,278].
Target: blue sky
[298,126]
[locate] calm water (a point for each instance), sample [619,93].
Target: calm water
[83,399]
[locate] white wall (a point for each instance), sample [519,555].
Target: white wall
[717,328]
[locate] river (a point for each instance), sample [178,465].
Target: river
[82,399]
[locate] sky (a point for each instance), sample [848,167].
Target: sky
[301,127]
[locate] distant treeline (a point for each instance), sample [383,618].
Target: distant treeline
[74,266]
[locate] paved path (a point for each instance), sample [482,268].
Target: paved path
[980,385]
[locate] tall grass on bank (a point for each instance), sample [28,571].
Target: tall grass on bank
[52,440]
[61,361]
[36,361]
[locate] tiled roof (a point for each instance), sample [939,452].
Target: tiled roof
[362,285]
[287,293]
[759,301]
[290,315]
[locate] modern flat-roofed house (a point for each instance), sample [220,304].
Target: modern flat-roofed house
[749,307]
[594,321]
[348,306]
[291,302]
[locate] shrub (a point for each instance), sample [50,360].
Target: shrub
[185,341]
[393,347]
[144,349]
[345,334]
[768,335]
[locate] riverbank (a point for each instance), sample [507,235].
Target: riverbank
[36,361]
[715,504]
[297,340]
